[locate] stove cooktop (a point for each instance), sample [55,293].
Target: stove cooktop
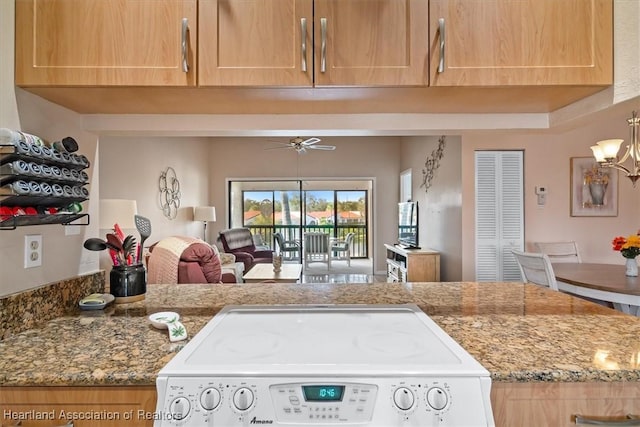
[320,339]
[323,365]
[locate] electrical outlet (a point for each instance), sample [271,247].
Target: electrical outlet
[32,250]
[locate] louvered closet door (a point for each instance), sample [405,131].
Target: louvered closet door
[499,214]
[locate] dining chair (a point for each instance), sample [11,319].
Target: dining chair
[560,251]
[536,268]
[316,248]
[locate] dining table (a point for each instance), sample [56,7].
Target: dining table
[604,282]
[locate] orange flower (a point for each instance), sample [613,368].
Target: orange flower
[618,242]
[629,247]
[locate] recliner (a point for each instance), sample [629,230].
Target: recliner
[182,259]
[239,241]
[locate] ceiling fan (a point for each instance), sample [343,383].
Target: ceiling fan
[301,145]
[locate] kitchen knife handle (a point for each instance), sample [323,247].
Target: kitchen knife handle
[631,420]
[185,59]
[323,45]
[303,44]
[441,31]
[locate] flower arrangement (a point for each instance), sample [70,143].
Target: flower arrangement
[629,247]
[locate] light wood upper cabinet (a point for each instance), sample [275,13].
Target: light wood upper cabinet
[255,43]
[521,42]
[313,43]
[371,42]
[105,42]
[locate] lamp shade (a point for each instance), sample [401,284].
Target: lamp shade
[204,213]
[610,147]
[117,211]
[597,153]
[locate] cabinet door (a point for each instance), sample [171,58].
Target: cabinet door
[255,42]
[104,42]
[521,42]
[103,406]
[371,42]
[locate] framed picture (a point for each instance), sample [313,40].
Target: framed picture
[594,190]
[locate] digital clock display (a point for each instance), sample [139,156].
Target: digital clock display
[322,393]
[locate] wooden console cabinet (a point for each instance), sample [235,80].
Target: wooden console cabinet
[412,265]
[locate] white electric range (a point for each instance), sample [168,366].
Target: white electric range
[329,365]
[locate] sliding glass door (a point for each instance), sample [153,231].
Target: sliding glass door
[295,207]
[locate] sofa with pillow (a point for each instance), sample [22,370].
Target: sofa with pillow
[181,259]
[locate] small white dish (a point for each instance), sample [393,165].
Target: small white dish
[95,301]
[162,319]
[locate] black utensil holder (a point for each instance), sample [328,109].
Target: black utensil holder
[128,283]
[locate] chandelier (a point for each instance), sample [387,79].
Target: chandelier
[606,152]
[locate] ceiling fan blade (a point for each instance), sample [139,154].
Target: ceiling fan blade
[310,141]
[322,147]
[278,148]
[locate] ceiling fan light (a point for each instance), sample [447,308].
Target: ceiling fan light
[610,147]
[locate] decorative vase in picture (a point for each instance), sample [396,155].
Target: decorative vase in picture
[277,263]
[632,267]
[597,180]
[128,283]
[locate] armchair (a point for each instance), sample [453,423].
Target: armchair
[342,248]
[179,259]
[289,249]
[239,241]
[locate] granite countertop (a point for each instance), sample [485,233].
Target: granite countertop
[520,333]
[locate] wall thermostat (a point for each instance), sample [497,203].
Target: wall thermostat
[542,195]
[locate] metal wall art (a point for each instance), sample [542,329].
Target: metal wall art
[432,163]
[169,193]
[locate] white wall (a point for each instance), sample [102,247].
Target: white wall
[131,169]
[547,163]
[63,256]
[441,206]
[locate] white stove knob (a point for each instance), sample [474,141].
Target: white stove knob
[210,398]
[243,398]
[403,398]
[437,398]
[179,408]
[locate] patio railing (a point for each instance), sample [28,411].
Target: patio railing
[293,232]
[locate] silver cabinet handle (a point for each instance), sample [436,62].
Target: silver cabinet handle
[185,59]
[323,45]
[303,43]
[441,30]
[631,420]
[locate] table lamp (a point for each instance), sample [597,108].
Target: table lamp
[117,211]
[204,214]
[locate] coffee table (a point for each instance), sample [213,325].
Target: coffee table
[289,273]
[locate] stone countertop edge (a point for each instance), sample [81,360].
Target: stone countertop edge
[518,332]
